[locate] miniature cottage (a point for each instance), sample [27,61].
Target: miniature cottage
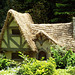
[19,33]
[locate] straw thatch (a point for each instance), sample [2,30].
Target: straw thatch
[47,36]
[61,33]
[23,21]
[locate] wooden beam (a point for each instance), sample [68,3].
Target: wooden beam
[5,42]
[16,49]
[8,36]
[8,24]
[15,27]
[15,42]
[11,35]
[24,43]
[20,42]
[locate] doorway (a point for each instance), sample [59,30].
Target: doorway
[42,54]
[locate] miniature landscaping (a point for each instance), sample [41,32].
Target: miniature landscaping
[61,62]
[32,30]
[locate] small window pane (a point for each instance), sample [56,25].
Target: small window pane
[15,31]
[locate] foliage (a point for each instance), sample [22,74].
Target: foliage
[26,58]
[3,10]
[32,66]
[37,67]
[39,9]
[69,71]
[56,49]
[42,10]
[13,71]
[62,72]
[63,58]
[4,63]
[9,71]
[2,56]
[47,11]
[64,10]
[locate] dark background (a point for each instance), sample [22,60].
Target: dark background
[42,11]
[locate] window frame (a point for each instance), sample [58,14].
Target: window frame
[16,34]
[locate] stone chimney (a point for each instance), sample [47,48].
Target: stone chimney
[74,27]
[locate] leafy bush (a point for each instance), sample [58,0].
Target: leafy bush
[63,58]
[4,63]
[35,67]
[71,59]
[26,58]
[56,49]
[9,71]
[71,70]
[62,72]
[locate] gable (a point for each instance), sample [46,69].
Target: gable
[12,39]
[14,42]
[23,21]
[13,28]
[43,42]
[13,24]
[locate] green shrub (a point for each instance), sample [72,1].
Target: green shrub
[71,70]
[62,72]
[35,67]
[71,59]
[26,58]
[4,63]
[2,56]
[57,50]
[63,58]
[9,71]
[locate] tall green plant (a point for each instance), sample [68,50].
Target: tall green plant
[63,59]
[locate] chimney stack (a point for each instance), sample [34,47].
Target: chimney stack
[74,27]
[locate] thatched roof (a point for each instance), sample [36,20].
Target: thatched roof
[44,33]
[23,21]
[60,33]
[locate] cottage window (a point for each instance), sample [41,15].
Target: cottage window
[15,56]
[15,32]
